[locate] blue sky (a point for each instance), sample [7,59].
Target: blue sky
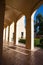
[39,10]
[25,21]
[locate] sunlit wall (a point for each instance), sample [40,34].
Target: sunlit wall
[7,33]
[4,34]
[11,32]
[20,27]
[32,30]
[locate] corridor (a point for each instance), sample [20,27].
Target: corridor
[20,56]
[11,11]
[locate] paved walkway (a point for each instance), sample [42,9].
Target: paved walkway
[19,56]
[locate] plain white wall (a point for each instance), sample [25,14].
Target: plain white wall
[7,33]
[4,34]
[20,27]
[11,32]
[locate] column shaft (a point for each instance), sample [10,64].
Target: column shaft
[2,10]
[5,34]
[8,32]
[28,33]
[14,33]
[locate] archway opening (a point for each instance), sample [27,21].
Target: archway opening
[8,34]
[11,36]
[5,35]
[21,31]
[37,28]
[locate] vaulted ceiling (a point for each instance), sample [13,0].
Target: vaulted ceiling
[14,9]
[11,15]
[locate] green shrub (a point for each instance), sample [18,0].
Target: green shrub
[22,41]
[41,41]
[36,41]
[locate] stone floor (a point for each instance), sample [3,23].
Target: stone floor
[19,56]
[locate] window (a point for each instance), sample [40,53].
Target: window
[22,33]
